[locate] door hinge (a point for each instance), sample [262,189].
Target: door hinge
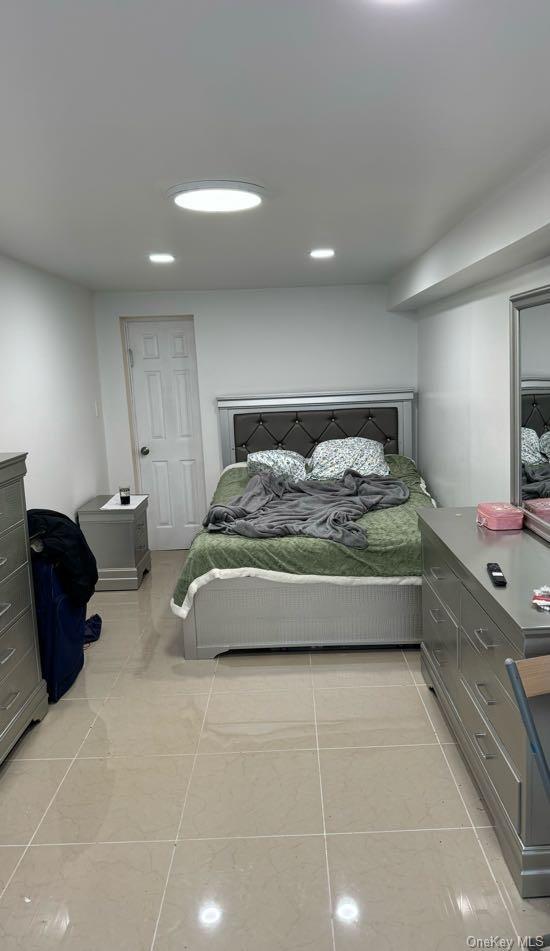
[130,356]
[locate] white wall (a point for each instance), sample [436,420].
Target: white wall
[464,389]
[259,342]
[49,382]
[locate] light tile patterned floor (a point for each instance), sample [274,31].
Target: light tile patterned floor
[256,803]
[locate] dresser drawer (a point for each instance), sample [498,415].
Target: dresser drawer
[13,551]
[498,707]
[15,596]
[490,756]
[440,636]
[14,644]
[440,575]
[12,507]
[487,638]
[17,687]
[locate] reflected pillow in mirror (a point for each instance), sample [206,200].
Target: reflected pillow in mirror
[283,462]
[331,458]
[530,449]
[544,444]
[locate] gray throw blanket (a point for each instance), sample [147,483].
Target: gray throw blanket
[271,507]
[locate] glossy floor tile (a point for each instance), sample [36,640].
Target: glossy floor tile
[247,894]
[127,798]
[392,788]
[26,788]
[167,804]
[425,891]
[84,898]
[254,794]
[238,722]
[372,716]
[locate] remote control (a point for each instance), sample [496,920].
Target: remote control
[496,575]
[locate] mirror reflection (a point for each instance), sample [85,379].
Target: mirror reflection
[534,339]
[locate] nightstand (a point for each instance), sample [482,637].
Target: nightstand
[118,539]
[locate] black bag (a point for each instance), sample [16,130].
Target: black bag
[65,547]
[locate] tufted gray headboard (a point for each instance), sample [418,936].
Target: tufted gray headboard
[301,422]
[535,405]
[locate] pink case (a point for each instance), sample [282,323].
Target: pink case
[540,507]
[499,516]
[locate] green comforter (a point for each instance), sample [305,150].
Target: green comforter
[393,540]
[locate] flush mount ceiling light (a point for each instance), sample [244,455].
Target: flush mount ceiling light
[217,197]
[161,257]
[321,254]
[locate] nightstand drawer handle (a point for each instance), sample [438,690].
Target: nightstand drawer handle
[9,652]
[437,616]
[478,737]
[481,689]
[12,701]
[478,635]
[4,608]
[437,574]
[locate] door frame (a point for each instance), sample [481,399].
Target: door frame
[130,399]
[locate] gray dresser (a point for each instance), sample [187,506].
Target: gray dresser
[118,539]
[23,695]
[469,628]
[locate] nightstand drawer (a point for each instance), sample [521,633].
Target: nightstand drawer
[15,596]
[17,687]
[440,636]
[489,641]
[12,508]
[498,708]
[490,756]
[440,575]
[14,644]
[13,551]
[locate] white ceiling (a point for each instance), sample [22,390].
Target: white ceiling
[375,126]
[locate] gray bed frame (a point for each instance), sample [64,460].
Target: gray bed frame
[253,613]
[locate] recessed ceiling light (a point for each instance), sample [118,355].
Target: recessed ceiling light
[161,257]
[217,197]
[321,253]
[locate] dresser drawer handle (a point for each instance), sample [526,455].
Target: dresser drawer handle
[11,702]
[437,574]
[9,652]
[3,560]
[478,737]
[481,689]
[437,616]
[478,632]
[4,608]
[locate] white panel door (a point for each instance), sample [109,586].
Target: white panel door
[163,372]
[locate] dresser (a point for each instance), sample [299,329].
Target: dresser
[118,539]
[469,628]
[23,696]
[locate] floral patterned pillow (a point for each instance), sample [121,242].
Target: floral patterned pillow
[331,458]
[544,444]
[530,449]
[283,462]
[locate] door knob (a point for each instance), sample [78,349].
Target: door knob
[145,450]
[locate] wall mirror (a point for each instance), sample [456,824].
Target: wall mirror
[530,449]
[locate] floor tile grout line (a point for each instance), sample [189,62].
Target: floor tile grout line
[231,838]
[182,812]
[325,843]
[474,828]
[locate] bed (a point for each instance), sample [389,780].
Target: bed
[240,593]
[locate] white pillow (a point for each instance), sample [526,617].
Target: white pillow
[283,462]
[330,459]
[530,449]
[544,444]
